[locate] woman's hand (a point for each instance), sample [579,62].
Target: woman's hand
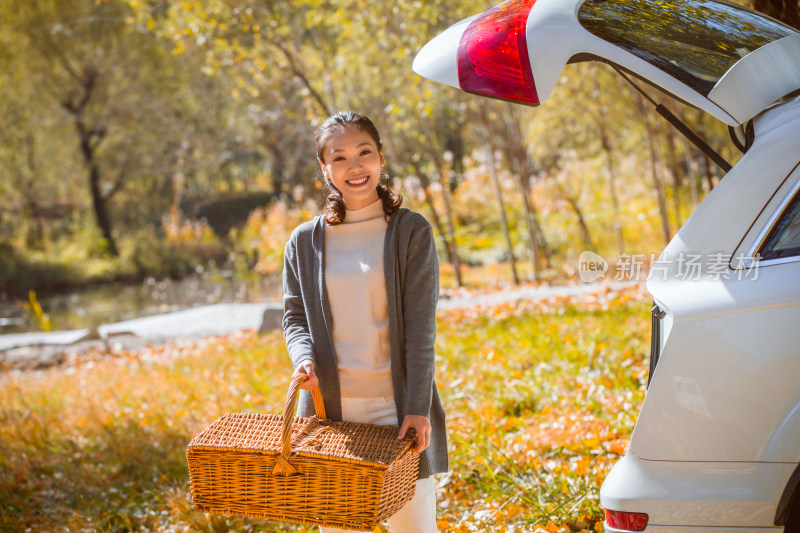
[422,425]
[307,367]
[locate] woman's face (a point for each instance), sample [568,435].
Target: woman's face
[352,161]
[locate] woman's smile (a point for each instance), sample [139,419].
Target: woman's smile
[355,182]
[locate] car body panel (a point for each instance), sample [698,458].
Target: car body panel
[703,403]
[696,494]
[759,79]
[697,529]
[438,59]
[726,215]
[556,21]
[756,238]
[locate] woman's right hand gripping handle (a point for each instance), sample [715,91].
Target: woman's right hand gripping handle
[307,367]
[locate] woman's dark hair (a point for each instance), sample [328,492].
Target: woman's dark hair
[334,203]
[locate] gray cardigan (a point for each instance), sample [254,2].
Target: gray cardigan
[412,290]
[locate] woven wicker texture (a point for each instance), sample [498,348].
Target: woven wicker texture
[304,470]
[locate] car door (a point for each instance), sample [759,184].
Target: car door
[719,56]
[725,387]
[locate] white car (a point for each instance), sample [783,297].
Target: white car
[717,443]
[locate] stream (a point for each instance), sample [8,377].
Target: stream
[109,303]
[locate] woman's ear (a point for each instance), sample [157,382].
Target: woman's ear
[383,160]
[324,170]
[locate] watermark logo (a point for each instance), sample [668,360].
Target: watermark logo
[591,266]
[685,266]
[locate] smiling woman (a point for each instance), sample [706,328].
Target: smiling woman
[360,290]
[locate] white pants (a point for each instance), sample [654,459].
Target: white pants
[419,514]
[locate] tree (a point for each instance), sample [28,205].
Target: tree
[787,11]
[601,126]
[106,76]
[498,191]
[510,130]
[35,169]
[658,184]
[571,195]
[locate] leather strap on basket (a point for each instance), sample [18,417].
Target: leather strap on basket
[282,466]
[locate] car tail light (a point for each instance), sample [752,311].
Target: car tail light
[626,521]
[493,54]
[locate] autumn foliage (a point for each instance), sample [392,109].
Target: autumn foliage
[540,396]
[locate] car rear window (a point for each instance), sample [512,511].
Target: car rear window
[784,239]
[695,41]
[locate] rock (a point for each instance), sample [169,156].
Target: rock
[92,335]
[272,319]
[33,357]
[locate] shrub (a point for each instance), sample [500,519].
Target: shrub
[20,274]
[185,245]
[263,237]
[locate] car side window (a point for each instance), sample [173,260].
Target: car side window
[784,239]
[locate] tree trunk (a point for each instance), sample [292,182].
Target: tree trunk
[492,164]
[612,187]
[437,221]
[676,178]
[99,204]
[691,172]
[709,173]
[442,170]
[662,200]
[542,247]
[659,185]
[278,170]
[501,208]
[517,154]
[573,203]
[605,143]
[35,236]
[89,139]
[389,147]
[787,11]
[450,226]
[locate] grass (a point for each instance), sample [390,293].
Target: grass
[540,397]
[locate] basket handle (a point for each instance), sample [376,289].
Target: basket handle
[282,466]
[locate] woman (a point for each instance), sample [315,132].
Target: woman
[360,290]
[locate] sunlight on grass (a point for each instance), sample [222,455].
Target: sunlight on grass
[541,398]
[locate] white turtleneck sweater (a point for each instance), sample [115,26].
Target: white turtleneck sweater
[356,287]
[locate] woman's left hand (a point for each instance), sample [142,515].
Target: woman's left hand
[422,425]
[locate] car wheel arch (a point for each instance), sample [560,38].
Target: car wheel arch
[788,511]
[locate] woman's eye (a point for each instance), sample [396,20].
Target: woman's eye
[365,152]
[340,158]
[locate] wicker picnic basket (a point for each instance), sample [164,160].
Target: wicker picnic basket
[307,470]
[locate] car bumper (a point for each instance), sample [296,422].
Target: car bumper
[697,496]
[694,529]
